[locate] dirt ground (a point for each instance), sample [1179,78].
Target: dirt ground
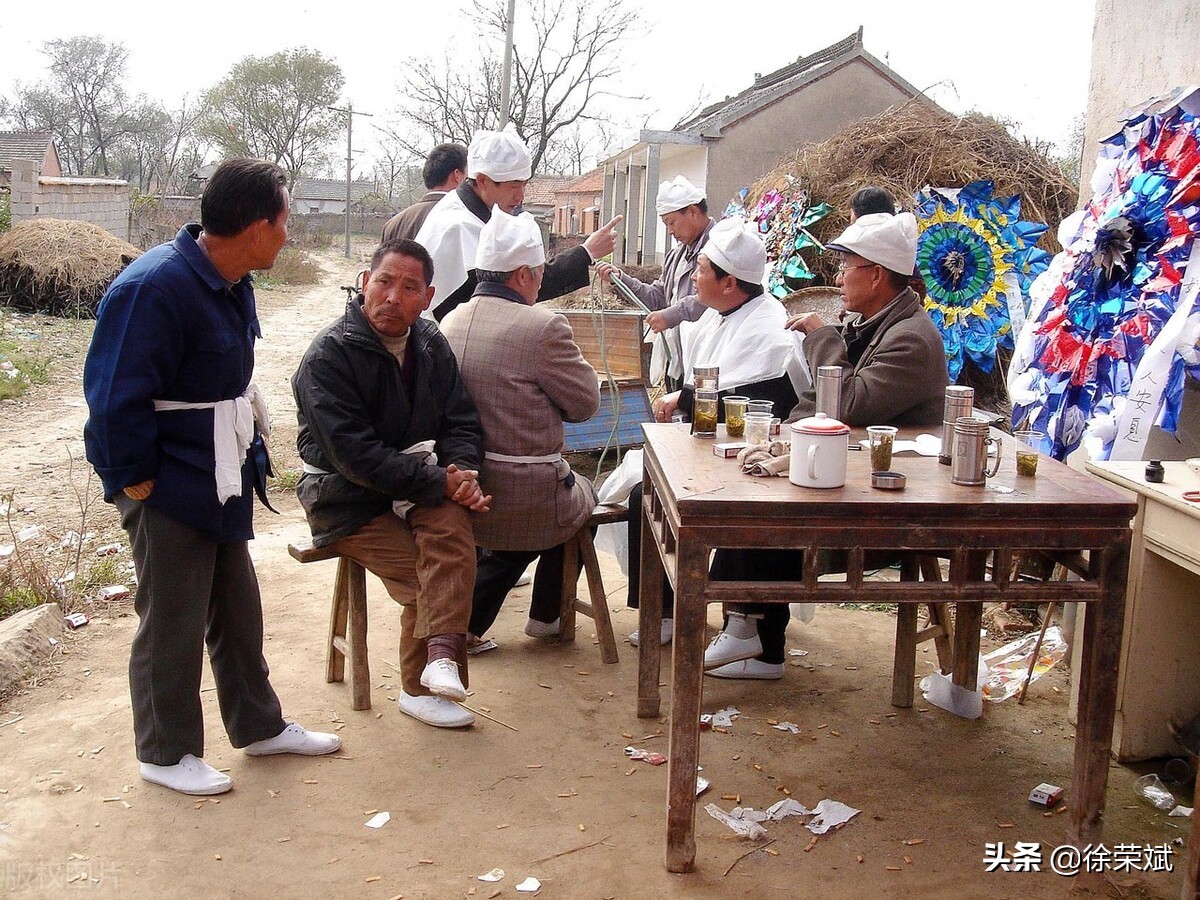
[552,795]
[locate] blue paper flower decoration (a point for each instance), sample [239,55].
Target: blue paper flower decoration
[977,258]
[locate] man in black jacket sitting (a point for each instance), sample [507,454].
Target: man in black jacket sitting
[391,445]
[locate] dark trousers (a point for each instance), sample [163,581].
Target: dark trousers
[496,574]
[761,565]
[728,565]
[192,591]
[635,558]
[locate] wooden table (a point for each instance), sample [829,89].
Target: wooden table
[694,502]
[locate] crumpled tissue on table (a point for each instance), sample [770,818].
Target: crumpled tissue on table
[743,820]
[1008,665]
[763,460]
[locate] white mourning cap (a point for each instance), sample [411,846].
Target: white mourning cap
[500,155]
[675,195]
[734,245]
[508,242]
[889,241]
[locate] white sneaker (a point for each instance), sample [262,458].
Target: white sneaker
[666,632]
[295,739]
[738,641]
[188,776]
[537,629]
[749,669]
[436,711]
[441,677]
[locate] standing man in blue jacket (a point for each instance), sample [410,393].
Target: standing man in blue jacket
[174,434]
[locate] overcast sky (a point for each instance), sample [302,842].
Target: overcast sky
[1025,60]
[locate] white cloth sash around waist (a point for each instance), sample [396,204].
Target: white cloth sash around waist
[423,449]
[233,433]
[522,460]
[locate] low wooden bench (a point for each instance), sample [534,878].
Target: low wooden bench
[347,621]
[581,548]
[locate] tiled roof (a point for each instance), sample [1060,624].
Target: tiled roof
[23,145]
[330,189]
[728,109]
[589,183]
[540,191]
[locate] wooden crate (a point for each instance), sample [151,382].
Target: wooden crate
[611,341]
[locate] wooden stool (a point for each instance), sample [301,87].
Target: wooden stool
[581,547]
[908,637]
[347,622]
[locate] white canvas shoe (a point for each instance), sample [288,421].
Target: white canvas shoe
[441,677]
[436,711]
[738,641]
[188,776]
[295,739]
[749,669]
[537,629]
[665,634]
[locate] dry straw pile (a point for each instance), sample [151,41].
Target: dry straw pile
[59,267]
[908,147]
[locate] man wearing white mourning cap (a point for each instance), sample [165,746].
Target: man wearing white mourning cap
[742,333]
[684,211]
[498,167]
[521,364]
[894,373]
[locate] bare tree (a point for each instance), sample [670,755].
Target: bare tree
[565,63]
[84,101]
[395,165]
[276,108]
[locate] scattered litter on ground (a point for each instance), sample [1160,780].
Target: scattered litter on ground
[701,785]
[797,653]
[787,726]
[722,718]
[744,828]
[379,820]
[1046,795]
[28,533]
[650,756]
[1184,811]
[76,620]
[113,592]
[1153,791]
[494,875]
[529,886]
[1008,666]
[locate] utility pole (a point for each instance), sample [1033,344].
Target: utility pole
[506,81]
[350,114]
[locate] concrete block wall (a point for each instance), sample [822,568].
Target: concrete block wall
[101,201]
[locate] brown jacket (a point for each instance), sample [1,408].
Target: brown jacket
[521,365]
[406,223]
[901,377]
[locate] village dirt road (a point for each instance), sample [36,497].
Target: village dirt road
[554,796]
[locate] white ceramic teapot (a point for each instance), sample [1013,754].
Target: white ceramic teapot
[819,447]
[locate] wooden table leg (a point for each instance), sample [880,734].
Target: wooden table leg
[968,617]
[649,618]
[687,676]
[1103,622]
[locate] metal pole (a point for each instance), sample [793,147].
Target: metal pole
[349,148]
[350,114]
[506,81]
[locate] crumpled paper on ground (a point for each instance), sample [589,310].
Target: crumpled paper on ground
[723,718]
[743,820]
[1008,665]
[766,459]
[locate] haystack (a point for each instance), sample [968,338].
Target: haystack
[59,267]
[905,148]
